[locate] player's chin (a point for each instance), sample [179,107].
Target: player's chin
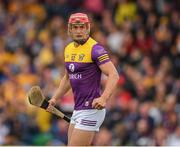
[79,38]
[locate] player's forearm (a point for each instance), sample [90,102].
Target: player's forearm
[110,85]
[64,86]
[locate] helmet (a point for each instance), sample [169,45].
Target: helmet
[79,19]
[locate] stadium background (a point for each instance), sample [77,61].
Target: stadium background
[143,40]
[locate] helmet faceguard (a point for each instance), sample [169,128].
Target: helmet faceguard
[79,19]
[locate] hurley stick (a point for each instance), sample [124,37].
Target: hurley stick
[36,98]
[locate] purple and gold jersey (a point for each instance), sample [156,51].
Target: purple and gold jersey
[82,64]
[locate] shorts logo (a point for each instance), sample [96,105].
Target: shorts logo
[71,67]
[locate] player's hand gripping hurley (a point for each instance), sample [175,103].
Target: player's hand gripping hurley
[36,98]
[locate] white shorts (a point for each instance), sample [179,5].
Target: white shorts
[89,120]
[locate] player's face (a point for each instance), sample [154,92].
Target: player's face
[79,31]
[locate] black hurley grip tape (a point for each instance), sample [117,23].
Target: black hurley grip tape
[45,104]
[66,118]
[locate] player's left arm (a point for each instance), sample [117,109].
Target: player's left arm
[112,78]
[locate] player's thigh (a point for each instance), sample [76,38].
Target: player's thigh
[81,137]
[70,129]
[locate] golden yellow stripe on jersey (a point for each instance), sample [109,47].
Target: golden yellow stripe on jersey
[103,57]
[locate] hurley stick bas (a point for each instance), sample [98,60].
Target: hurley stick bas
[36,98]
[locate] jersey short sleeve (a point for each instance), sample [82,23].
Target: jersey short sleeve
[99,55]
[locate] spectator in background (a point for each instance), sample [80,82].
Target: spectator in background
[174,139]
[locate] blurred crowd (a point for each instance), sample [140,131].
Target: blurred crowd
[143,40]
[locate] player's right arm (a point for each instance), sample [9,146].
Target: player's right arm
[64,86]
